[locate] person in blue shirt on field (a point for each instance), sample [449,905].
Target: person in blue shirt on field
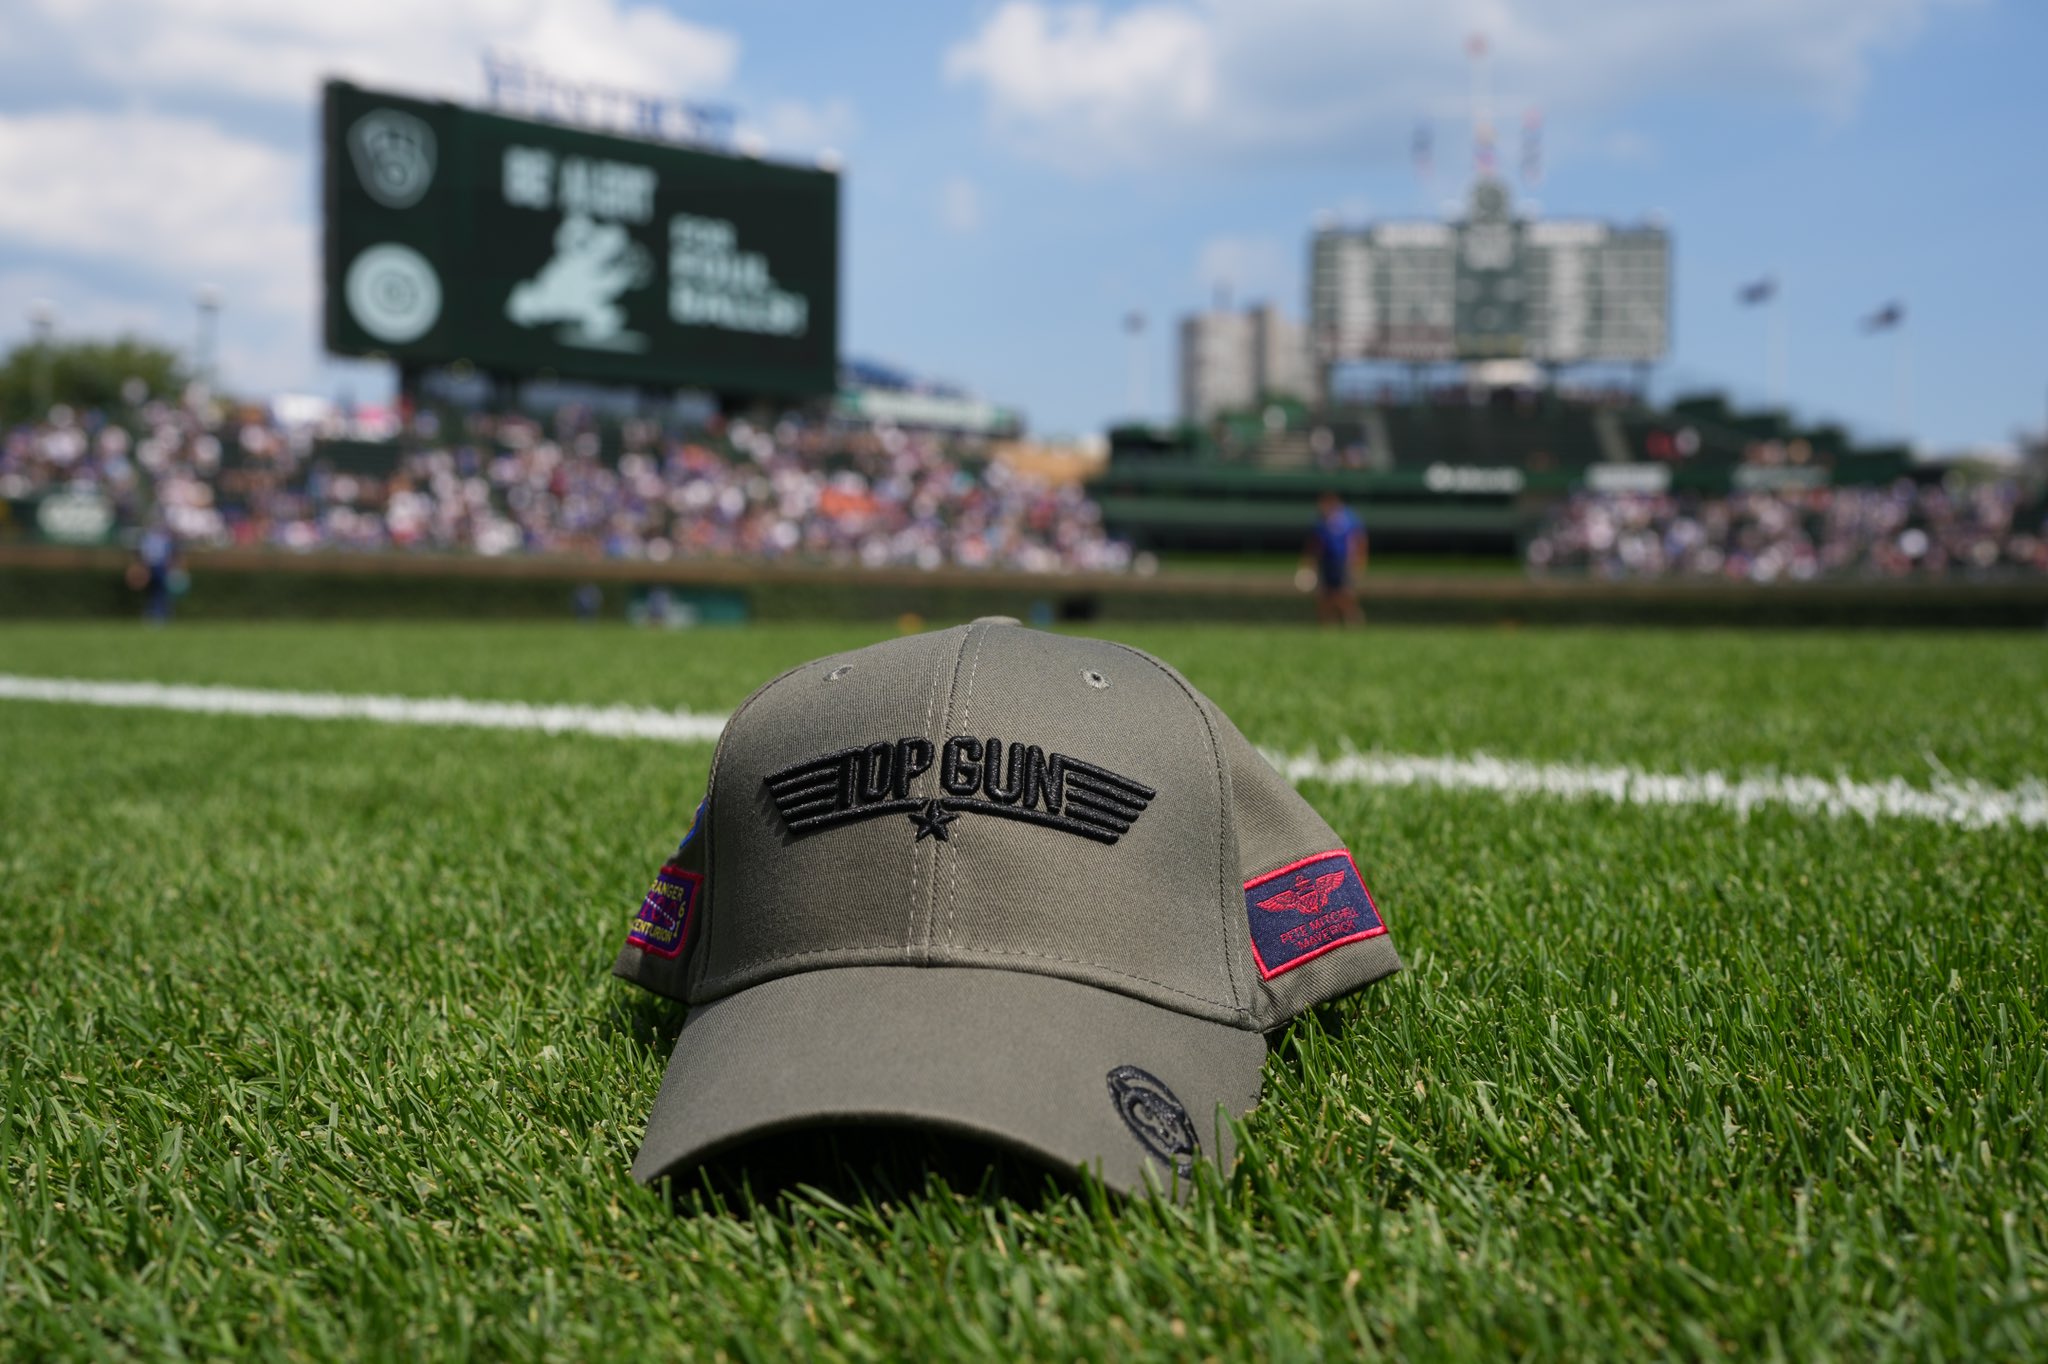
[156,573]
[1337,549]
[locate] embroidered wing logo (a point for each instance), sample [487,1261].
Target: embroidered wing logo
[1306,896]
[819,793]
[1104,803]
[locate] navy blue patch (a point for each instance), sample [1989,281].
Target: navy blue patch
[1308,908]
[663,923]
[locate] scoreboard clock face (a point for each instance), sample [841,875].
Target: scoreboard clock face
[532,248]
[1489,279]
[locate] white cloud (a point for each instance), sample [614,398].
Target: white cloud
[797,128]
[175,198]
[1195,80]
[960,205]
[276,50]
[1105,89]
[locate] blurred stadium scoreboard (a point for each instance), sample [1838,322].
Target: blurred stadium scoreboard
[526,248]
[1491,287]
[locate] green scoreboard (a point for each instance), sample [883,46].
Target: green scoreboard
[529,248]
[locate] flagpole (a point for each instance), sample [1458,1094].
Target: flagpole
[1482,109]
[1902,377]
[1763,293]
[1776,360]
[1892,318]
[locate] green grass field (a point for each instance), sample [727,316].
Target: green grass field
[308,1045]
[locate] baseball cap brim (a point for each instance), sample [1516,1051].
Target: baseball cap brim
[1035,1063]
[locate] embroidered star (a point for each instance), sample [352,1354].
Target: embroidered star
[932,820]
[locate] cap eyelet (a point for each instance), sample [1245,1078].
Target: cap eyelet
[839,672]
[1094,678]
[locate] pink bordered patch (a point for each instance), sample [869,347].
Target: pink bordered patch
[664,919]
[1307,908]
[663,924]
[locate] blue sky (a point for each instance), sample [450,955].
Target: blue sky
[1020,174]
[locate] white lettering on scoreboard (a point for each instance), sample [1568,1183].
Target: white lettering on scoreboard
[712,283]
[615,190]
[1466,478]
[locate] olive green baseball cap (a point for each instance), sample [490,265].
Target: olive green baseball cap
[1021,886]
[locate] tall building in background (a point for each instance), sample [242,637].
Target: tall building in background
[1231,360]
[1215,364]
[1280,355]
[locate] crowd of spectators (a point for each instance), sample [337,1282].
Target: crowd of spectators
[507,484]
[1907,529]
[873,496]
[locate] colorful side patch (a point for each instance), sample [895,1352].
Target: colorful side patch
[1308,908]
[664,919]
[663,923]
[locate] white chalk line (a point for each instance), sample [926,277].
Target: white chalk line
[612,722]
[1961,803]
[1957,802]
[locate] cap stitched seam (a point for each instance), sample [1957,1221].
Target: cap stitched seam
[1239,995]
[916,850]
[702,956]
[953,897]
[966,707]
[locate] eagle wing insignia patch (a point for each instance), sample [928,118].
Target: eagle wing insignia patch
[1306,897]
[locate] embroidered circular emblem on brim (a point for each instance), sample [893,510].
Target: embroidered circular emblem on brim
[1156,1118]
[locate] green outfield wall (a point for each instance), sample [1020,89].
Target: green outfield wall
[41,582]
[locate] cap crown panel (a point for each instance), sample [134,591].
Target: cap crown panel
[782,901]
[1146,907]
[1275,828]
[1096,849]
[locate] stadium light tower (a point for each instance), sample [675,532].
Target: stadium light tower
[42,326]
[207,301]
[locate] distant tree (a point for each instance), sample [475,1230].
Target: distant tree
[86,374]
